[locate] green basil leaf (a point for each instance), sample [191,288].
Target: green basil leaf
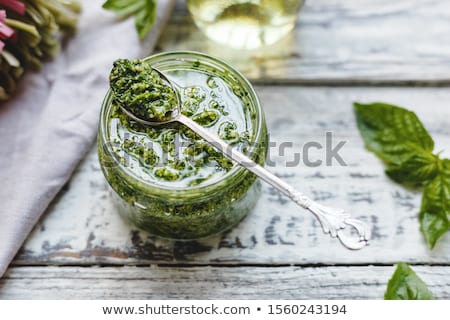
[435,210]
[405,284]
[417,169]
[433,226]
[145,18]
[393,133]
[124,8]
[398,137]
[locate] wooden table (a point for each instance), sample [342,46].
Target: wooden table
[340,52]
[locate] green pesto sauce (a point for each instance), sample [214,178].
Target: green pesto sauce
[173,155]
[141,91]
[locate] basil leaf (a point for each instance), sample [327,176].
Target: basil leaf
[393,133]
[416,169]
[143,10]
[145,18]
[398,137]
[435,210]
[124,7]
[406,285]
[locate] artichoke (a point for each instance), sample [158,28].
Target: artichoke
[30,32]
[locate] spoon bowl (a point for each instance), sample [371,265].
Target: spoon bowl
[172,115]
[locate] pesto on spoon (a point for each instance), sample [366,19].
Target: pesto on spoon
[140,90]
[147,96]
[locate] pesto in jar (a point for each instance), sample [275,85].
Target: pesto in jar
[173,155]
[166,179]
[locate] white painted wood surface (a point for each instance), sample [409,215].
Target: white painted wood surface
[82,226]
[341,41]
[209,282]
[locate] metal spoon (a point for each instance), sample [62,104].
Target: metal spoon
[333,220]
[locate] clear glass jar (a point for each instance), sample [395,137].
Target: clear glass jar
[245,24]
[195,211]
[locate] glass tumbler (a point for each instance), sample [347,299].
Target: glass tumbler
[245,24]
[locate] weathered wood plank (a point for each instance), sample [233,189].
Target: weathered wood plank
[82,227]
[340,41]
[209,282]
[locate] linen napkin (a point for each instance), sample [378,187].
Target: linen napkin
[51,122]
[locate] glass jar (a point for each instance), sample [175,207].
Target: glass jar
[245,24]
[187,212]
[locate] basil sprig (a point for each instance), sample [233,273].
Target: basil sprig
[405,284]
[398,137]
[144,12]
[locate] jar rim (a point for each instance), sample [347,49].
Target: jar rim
[237,170]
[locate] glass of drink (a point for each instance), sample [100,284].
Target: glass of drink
[245,24]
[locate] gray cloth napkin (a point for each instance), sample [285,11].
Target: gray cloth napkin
[50,124]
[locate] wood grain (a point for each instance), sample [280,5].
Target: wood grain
[82,227]
[209,282]
[370,41]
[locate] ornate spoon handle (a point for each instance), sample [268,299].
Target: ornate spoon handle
[333,220]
